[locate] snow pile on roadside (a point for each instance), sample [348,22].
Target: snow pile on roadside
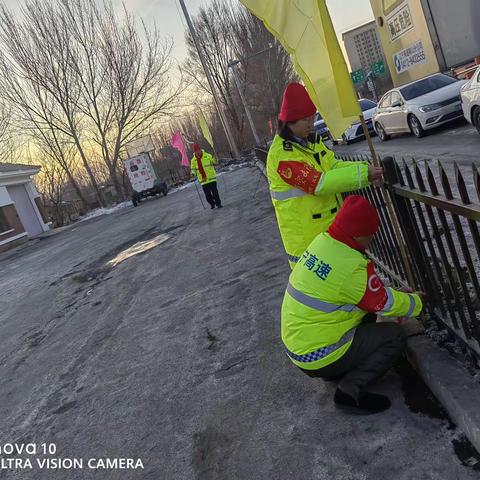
[235,166]
[105,211]
[181,187]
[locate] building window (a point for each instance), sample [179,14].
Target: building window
[4,225]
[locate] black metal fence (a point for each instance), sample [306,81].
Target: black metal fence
[438,208]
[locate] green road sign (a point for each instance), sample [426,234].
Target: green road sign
[378,68]
[358,76]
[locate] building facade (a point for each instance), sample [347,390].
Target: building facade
[363,47]
[21,210]
[423,37]
[364,51]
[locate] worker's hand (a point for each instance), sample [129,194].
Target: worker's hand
[423,296]
[375,174]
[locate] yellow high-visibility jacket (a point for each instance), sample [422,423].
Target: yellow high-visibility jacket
[302,216]
[208,163]
[324,300]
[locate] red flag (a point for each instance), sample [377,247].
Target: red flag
[177,142]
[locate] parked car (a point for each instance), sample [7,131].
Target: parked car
[419,106]
[143,178]
[355,132]
[320,127]
[471,100]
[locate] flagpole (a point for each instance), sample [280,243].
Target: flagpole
[198,193]
[221,113]
[389,205]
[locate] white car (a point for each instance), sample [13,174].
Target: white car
[356,131]
[419,106]
[471,100]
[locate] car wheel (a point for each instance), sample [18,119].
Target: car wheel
[415,126]
[382,134]
[476,118]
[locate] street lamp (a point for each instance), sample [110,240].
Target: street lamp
[232,65]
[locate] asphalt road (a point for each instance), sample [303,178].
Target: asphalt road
[457,141]
[153,333]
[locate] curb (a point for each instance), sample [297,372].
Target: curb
[452,385]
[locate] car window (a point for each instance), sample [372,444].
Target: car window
[367,105]
[386,101]
[427,85]
[395,98]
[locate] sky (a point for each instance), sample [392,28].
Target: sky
[167,15]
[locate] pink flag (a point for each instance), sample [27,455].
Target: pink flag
[177,142]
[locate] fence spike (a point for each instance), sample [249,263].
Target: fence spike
[431,179]
[408,174]
[419,176]
[445,182]
[462,188]
[476,180]
[401,181]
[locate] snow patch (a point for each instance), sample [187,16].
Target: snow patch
[105,211]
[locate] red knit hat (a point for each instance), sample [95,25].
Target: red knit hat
[356,218]
[296,104]
[196,147]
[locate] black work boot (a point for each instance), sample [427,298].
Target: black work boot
[367,404]
[212,206]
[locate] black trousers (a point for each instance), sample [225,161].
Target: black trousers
[211,194]
[376,347]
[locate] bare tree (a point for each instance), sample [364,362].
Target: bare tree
[92,76]
[124,82]
[39,51]
[228,31]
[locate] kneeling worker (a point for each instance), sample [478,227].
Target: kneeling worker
[326,326]
[203,166]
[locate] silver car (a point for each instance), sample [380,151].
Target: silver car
[419,106]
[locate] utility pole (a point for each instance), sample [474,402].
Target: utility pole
[221,113]
[232,65]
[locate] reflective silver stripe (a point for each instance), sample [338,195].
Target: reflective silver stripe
[323,351]
[293,258]
[320,184]
[318,304]
[359,173]
[389,303]
[293,193]
[412,306]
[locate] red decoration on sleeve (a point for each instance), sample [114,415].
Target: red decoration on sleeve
[375,296]
[299,175]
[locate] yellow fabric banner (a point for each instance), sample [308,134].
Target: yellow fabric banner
[305,29]
[204,128]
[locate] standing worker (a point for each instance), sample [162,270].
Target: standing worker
[203,166]
[330,306]
[306,180]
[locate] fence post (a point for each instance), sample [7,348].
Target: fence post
[410,231]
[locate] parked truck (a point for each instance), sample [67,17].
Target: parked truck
[143,178]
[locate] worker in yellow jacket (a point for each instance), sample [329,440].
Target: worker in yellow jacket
[202,166]
[306,180]
[329,311]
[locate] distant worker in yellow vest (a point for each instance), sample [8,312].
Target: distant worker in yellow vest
[203,166]
[306,180]
[329,311]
